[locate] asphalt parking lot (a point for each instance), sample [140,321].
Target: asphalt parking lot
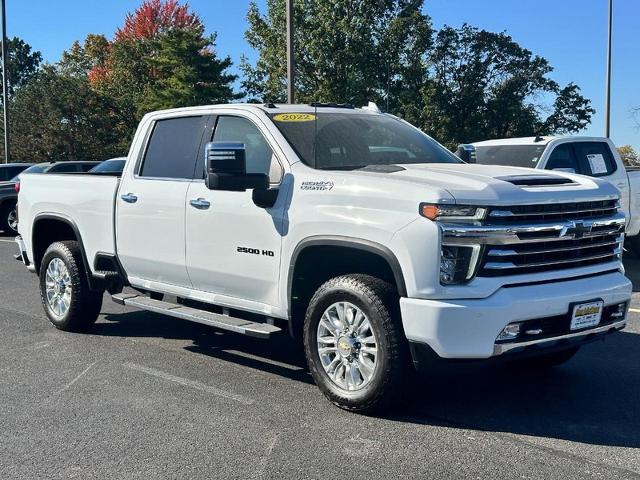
[146,396]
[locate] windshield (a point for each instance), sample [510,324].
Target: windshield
[513,155]
[347,141]
[31,169]
[109,166]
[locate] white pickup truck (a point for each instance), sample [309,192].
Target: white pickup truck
[592,156]
[349,228]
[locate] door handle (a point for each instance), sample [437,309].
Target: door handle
[129,198]
[200,203]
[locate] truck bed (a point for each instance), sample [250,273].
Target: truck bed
[85,200]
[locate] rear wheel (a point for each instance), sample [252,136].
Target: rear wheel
[354,343]
[548,360]
[66,297]
[634,244]
[9,218]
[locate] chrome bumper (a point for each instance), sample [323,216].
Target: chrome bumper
[499,349]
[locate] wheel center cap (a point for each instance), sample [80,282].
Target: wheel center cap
[346,346]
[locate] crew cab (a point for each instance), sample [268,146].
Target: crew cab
[348,228]
[593,156]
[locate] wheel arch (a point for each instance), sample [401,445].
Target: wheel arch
[308,270]
[52,227]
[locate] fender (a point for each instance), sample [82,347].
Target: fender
[93,284]
[351,242]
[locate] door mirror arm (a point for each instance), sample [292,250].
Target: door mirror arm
[265,198]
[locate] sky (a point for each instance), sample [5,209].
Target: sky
[571,34]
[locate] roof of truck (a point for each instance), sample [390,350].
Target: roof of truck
[275,108]
[533,140]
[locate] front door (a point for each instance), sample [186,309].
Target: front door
[151,203]
[233,246]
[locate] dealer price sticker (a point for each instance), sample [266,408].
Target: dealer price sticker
[586,315]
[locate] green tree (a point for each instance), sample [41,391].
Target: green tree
[186,72]
[22,64]
[629,155]
[484,85]
[57,116]
[347,51]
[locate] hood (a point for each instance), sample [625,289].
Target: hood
[503,185]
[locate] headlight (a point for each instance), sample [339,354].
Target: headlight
[452,213]
[458,263]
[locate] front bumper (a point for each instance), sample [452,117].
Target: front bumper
[469,328]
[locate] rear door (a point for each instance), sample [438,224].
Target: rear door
[151,202]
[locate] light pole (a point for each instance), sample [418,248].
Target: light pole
[607,120]
[5,96]
[291,62]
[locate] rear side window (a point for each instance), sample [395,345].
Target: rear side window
[13,171]
[85,167]
[172,148]
[4,174]
[562,158]
[595,158]
[64,168]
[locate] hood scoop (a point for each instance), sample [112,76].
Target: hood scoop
[536,180]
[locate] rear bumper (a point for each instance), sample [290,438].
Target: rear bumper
[467,329]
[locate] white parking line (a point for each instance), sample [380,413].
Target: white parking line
[7,241]
[76,379]
[634,310]
[189,383]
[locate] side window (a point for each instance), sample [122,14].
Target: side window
[260,157]
[595,158]
[562,158]
[4,172]
[13,171]
[172,148]
[64,168]
[85,167]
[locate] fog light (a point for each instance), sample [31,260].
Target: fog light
[620,311]
[510,332]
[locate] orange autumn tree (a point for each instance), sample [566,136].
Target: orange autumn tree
[154,17]
[159,58]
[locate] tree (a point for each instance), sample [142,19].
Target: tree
[57,116]
[350,52]
[159,58]
[155,17]
[630,157]
[22,64]
[484,85]
[187,72]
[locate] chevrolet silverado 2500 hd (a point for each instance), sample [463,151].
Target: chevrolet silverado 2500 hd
[349,228]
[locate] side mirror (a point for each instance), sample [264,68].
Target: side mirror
[466,153]
[227,169]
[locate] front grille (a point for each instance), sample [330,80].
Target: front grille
[533,257]
[552,212]
[552,237]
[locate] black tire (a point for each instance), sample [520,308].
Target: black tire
[379,302]
[5,214]
[546,361]
[85,304]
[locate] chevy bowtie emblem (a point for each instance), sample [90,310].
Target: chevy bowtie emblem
[575,230]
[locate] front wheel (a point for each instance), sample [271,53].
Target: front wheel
[68,301]
[354,343]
